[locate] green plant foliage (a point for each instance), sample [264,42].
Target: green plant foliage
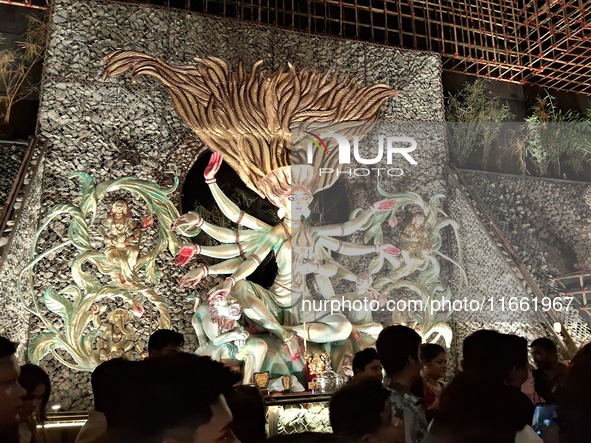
[553,136]
[475,112]
[16,65]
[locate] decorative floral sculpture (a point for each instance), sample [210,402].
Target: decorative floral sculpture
[72,316]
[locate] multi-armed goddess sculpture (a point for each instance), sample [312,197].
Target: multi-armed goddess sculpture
[248,120]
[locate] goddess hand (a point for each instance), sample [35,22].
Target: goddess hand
[213,167]
[383,205]
[307,268]
[222,289]
[240,339]
[193,277]
[186,253]
[390,249]
[187,222]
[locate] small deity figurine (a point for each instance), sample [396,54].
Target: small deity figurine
[122,237]
[317,364]
[415,246]
[415,238]
[117,338]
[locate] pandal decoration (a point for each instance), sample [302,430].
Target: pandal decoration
[247,119]
[71,316]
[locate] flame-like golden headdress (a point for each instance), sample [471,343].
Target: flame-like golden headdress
[249,116]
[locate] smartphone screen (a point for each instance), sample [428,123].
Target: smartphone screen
[544,416]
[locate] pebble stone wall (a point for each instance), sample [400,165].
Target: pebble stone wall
[547,222]
[489,276]
[553,210]
[14,320]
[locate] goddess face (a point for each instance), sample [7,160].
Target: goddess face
[419,220]
[119,208]
[296,204]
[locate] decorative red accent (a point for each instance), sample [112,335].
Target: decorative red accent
[147,222]
[185,254]
[137,309]
[252,329]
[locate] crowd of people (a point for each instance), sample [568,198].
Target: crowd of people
[177,397]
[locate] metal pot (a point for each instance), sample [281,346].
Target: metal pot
[329,381]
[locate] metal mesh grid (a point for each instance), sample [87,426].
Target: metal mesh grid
[298,418]
[541,42]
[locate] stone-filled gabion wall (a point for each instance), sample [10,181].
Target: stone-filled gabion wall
[547,223]
[11,157]
[14,320]
[117,128]
[489,274]
[553,210]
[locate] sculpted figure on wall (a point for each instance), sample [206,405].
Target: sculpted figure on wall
[122,237]
[249,120]
[87,321]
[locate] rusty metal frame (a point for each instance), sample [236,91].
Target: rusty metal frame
[540,42]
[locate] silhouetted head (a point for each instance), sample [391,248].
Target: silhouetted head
[178,398]
[398,349]
[544,352]
[361,411]
[36,382]
[164,342]
[11,393]
[517,354]
[249,413]
[367,362]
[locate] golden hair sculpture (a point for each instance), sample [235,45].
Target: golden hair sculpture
[249,116]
